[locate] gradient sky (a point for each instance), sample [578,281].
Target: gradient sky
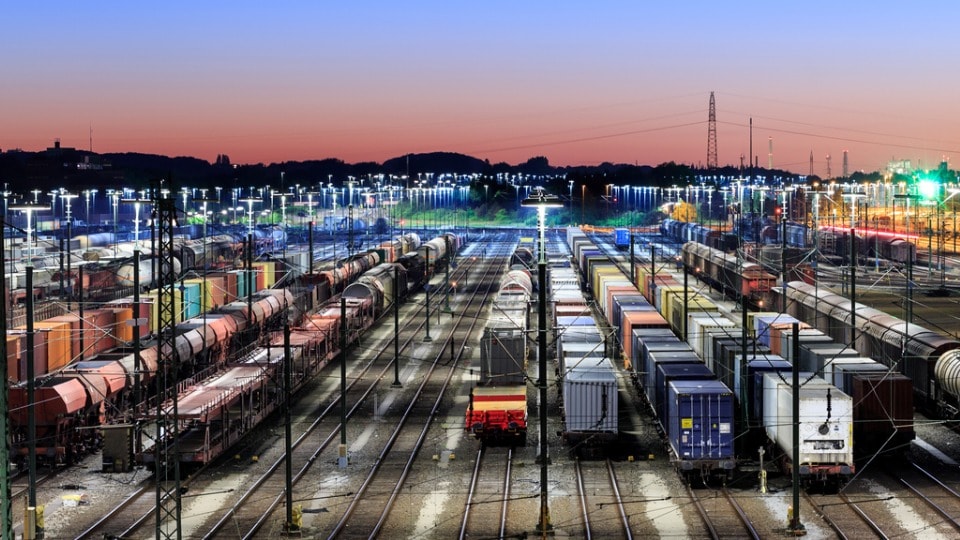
[577,82]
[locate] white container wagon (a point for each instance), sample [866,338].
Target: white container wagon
[826,427]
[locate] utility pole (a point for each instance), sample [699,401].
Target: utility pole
[288,435]
[33,520]
[342,460]
[169,504]
[795,525]
[6,513]
[396,328]
[426,287]
[542,202]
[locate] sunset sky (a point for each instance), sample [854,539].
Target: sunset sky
[577,82]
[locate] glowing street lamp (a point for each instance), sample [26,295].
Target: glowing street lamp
[29,209]
[541,201]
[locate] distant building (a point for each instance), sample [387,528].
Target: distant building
[900,166]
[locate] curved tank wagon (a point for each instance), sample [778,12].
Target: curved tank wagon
[431,252]
[453,243]
[379,286]
[414,266]
[381,225]
[523,256]
[411,242]
[125,272]
[517,282]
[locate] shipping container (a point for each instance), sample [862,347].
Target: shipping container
[590,401]
[826,445]
[700,426]
[667,372]
[883,416]
[57,335]
[672,355]
[621,238]
[503,356]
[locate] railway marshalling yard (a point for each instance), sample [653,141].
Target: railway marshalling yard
[451,489]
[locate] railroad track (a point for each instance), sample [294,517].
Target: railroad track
[489,485]
[604,507]
[722,514]
[383,484]
[270,485]
[941,498]
[844,516]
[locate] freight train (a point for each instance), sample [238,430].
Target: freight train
[930,359]
[497,410]
[93,386]
[588,378]
[721,390]
[88,393]
[729,273]
[833,241]
[220,409]
[700,441]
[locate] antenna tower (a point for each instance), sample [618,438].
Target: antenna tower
[712,134]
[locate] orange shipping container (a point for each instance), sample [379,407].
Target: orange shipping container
[611,292]
[74,321]
[13,356]
[637,319]
[58,333]
[123,330]
[99,332]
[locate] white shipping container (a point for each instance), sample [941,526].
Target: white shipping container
[700,329]
[826,438]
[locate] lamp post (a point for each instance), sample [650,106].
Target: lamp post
[29,209]
[250,202]
[31,414]
[541,201]
[68,214]
[426,288]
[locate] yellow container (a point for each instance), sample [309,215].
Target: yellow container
[155,322]
[268,270]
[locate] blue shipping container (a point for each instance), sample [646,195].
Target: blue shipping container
[676,372]
[701,421]
[621,238]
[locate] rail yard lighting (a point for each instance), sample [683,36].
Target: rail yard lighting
[29,209]
[31,427]
[542,201]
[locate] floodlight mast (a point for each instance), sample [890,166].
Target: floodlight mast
[541,201]
[31,510]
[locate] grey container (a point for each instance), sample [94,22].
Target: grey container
[590,399]
[503,356]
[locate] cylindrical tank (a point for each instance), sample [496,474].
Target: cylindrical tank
[517,280]
[125,272]
[947,370]
[371,287]
[412,242]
